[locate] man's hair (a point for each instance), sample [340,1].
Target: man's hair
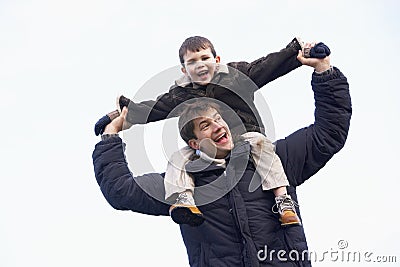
[191,112]
[195,44]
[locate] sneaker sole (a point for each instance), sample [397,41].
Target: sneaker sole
[184,215]
[291,224]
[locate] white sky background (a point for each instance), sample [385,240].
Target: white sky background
[62,63]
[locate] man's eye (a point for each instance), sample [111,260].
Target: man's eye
[204,127]
[205,58]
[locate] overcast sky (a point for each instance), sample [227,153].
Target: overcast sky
[62,63]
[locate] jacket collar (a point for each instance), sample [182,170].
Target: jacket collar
[184,80]
[241,149]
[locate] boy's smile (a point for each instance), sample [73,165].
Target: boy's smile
[200,66]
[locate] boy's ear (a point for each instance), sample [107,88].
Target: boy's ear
[183,70]
[217,59]
[193,144]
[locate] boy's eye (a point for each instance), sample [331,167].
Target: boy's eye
[205,58]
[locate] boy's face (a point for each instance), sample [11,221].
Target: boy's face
[213,135]
[200,66]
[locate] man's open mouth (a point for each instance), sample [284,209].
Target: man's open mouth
[221,138]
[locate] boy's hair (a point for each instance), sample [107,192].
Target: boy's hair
[195,44]
[191,112]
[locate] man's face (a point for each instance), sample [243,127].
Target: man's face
[200,66]
[213,135]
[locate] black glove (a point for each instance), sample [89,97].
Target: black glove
[320,50]
[104,121]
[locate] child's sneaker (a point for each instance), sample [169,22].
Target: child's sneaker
[287,210]
[184,211]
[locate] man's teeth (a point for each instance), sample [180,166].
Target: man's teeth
[219,137]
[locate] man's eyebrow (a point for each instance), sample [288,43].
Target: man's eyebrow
[216,114]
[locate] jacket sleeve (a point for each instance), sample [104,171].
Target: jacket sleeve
[272,66]
[307,150]
[151,110]
[121,189]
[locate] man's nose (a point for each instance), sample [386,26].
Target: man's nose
[216,126]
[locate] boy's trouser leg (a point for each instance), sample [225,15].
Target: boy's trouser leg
[176,179]
[178,183]
[268,164]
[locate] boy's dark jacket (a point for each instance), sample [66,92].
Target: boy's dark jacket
[240,226]
[234,85]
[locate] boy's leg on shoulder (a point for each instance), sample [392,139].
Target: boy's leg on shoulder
[267,162]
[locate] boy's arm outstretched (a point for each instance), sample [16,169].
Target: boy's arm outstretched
[149,110]
[139,113]
[277,64]
[272,66]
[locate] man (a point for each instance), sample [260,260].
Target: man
[239,224]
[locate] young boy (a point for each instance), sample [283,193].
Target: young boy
[233,85]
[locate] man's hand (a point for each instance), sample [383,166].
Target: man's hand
[319,64]
[116,124]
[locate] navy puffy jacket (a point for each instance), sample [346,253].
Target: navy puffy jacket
[240,224]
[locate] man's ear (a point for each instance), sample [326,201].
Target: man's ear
[217,59]
[193,144]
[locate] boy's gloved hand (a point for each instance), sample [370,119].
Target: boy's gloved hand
[104,121]
[320,50]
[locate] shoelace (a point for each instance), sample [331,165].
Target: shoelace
[185,199]
[182,198]
[284,204]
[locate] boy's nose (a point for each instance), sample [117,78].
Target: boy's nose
[200,64]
